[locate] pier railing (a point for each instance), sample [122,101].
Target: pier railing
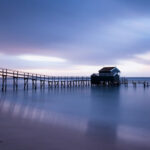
[51,81]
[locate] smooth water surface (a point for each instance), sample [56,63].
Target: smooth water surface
[95,118]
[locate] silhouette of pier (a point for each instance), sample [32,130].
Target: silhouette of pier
[44,81]
[51,81]
[126,82]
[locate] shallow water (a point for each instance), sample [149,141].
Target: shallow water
[116,116]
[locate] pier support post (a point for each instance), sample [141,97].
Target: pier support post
[78,83]
[25,83]
[15,83]
[42,84]
[4,80]
[68,83]
[26,78]
[62,83]
[56,84]
[15,80]
[74,83]
[50,84]
[134,83]
[34,84]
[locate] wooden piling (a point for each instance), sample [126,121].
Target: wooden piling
[15,80]
[34,78]
[56,84]
[4,80]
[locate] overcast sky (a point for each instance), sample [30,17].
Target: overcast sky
[75,37]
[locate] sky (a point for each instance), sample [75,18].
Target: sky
[75,37]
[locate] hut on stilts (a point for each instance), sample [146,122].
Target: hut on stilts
[106,76]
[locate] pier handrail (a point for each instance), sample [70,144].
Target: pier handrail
[22,74]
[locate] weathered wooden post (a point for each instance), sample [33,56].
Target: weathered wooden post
[126,82]
[4,80]
[50,83]
[34,82]
[15,80]
[82,82]
[134,83]
[40,82]
[26,81]
[62,83]
[78,81]
[145,84]
[44,82]
[89,82]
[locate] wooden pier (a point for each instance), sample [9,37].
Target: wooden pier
[127,82]
[43,80]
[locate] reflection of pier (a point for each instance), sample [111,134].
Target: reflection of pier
[51,81]
[26,111]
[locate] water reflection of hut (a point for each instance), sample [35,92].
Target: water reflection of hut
[107,75]
[103,125]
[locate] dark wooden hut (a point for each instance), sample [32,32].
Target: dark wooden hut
[107,75]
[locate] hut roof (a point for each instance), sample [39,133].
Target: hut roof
[109,69]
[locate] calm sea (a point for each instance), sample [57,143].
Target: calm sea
[118,115]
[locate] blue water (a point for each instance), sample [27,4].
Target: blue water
[119,115]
